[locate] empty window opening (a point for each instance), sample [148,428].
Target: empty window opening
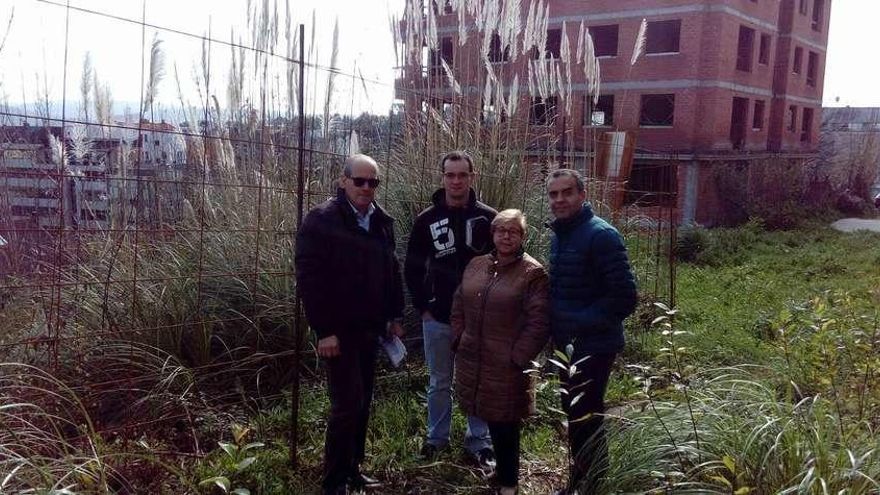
[554,44]
[807,126]
[764,50]
[798,60]
[601,113]
[496,54]
[792,118]
[738,116]
[447,6]
[758,116]
[818,14]
[663,36]
[605,40]
[443,54]
[812,68]
[657,110]
[744,49]
[802,8]
[490,114]
[543,112]
[651,183]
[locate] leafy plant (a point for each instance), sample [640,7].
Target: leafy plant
[238,457]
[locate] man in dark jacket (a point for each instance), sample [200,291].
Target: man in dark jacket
[592,290]
[444,238]
[349,280]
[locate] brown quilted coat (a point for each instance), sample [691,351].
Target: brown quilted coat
[500,323]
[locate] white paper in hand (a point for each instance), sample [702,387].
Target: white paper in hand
[394,348]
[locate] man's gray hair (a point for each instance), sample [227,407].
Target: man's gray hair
[351,160]
[568,172]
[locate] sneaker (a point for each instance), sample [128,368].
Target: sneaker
[429,452]
[361,482]
[485,458]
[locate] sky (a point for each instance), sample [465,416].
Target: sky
[36,60]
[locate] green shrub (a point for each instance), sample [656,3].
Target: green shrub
[692,240]
[726,246]
[750,441]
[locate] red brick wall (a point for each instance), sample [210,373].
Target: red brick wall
[708,52]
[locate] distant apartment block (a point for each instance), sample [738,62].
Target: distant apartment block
[78,177]
[851,141]
[39,190]
[719,82]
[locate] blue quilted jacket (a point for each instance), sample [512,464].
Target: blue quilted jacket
[592,288]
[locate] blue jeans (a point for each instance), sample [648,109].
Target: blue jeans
[438,354]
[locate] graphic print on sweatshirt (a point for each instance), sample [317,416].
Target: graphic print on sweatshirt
[476,232]
[444,238]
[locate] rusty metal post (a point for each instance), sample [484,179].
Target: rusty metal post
[297,319]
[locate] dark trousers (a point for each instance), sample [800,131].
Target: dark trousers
[586,434]
[505,441]
[350,378]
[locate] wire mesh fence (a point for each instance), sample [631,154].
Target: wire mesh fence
[146,267]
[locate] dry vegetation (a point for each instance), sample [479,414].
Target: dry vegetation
[158,339]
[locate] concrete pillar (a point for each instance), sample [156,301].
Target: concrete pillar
[689,199]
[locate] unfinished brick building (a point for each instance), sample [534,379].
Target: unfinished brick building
[720,83]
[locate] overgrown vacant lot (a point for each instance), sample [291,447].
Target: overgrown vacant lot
[762,379]
[762,382]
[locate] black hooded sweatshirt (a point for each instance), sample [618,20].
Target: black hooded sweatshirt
[442,242]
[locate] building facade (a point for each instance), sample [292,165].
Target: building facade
[41,187]
[79,176]
[718,82]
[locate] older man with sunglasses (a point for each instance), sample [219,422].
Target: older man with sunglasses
[350,283]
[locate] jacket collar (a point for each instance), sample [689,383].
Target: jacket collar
[569,224]
[497,264]
[439,198]
[348,211]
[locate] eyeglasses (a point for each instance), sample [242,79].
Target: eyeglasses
[360,181]
[502,231]
[454,175]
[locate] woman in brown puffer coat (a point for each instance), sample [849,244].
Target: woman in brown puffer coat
[500,323]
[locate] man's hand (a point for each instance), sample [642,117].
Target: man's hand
[328,347]
[427,316]
[395,328]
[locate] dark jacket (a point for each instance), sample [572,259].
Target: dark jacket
[592,288]
[442,242]
[348,278]
[499,323]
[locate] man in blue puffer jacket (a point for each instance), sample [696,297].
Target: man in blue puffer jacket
[592,290]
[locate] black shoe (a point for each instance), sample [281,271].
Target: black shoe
[361,481]
[485,458]
[429,452]
[339,490]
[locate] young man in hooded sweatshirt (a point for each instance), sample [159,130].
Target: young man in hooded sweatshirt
[444,238]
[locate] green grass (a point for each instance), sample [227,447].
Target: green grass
[727,307]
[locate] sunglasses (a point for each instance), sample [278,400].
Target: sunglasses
[360,181]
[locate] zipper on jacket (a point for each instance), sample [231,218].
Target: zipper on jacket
[485,294]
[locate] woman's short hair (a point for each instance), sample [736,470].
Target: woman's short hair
[510,215]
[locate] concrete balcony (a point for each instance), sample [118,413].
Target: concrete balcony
[34,202]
